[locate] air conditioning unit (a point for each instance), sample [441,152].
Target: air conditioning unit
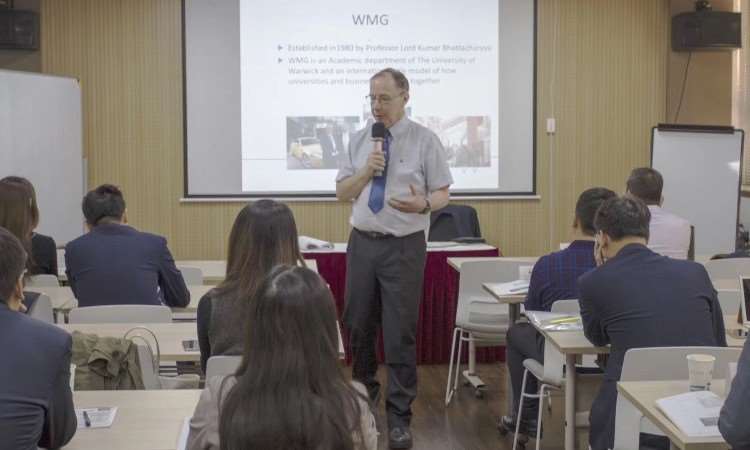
[19,30]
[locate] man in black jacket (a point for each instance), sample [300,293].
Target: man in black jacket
[36,405]
[115,264]
[637,298]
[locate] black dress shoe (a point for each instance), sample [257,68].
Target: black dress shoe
[399,437]
[507,424]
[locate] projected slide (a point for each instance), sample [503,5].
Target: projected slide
[304,84]
[275,89]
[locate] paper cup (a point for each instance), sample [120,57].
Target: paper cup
[700,371]
[524,272]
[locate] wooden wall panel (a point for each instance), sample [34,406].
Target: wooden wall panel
[606,88]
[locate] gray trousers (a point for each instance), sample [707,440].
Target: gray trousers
[383,288]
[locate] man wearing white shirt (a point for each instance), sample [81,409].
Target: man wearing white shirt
[669,233]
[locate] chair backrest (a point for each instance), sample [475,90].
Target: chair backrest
[728,268]
[729,300]
[670,363]
[474,273]
[45,280]
[193,276]
[42,309]
[121,314]
[222,365]
[452,222]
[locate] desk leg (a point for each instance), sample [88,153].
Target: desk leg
[570,402]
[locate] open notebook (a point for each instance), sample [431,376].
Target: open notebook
[695,413]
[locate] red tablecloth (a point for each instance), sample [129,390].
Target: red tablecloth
[437,312]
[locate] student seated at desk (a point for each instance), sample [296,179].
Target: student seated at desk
[734,421]
[36,405]
[17,216]
[115,264]
[554,277]
[43,248]
[637,298]
[264,235]
[669,234]
[289,392]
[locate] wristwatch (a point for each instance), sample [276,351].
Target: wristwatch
[427,206]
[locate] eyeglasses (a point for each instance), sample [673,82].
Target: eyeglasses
[382,99]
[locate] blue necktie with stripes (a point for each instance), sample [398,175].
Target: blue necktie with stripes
[377,190]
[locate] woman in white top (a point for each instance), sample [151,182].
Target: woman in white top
[289,391]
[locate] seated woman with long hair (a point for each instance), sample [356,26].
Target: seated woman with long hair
[289,391]
[264,235]
[43,248]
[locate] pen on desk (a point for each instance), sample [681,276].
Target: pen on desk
[86,419]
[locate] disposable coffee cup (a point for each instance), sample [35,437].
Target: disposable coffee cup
[700,371]
[524,272]
[72,376]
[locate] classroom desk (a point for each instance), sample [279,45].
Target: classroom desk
[63,299]
[574,343]
[643,395]
[146,420]
[169,335]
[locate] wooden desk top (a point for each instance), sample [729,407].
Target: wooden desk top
[146,420]
[170,336]
[215,270]
[643,395]
[574,342]
[63,299]
[456,261]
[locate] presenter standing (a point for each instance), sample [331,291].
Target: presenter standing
[393,190]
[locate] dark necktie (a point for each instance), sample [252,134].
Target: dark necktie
[377,190]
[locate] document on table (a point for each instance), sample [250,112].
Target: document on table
[550,321]
[695,413]
[101,417]
[517,287]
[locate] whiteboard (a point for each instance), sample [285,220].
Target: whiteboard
[701,171]
[41,139]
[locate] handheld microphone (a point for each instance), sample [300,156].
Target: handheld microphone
[378,136]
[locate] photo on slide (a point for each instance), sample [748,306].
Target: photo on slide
[466,138]
[315,142]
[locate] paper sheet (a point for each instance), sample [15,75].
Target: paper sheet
[100,417]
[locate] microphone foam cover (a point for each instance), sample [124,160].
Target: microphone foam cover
[378,130]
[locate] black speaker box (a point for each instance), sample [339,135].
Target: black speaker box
[19,30]
[706,30]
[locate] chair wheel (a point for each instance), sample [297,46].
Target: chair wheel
[478,393]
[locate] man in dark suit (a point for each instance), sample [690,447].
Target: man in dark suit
[36,405]
[637,298]
[115,264]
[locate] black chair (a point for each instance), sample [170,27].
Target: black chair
[454,221]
